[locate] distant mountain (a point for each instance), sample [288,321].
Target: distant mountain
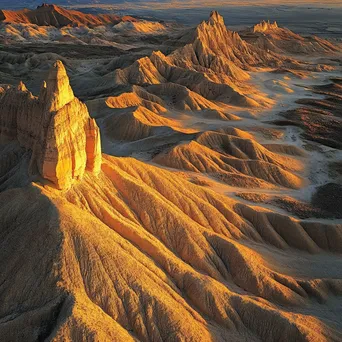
[52,15]
[33,4]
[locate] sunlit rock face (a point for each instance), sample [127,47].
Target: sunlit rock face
[264,26]
[55,126]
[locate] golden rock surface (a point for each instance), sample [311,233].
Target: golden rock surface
[55,126]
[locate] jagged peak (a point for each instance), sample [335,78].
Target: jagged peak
[215,18]
[215,22]
[143,61]
[265,26]
[22,86]
[57,89]
[47,6]
[158,53]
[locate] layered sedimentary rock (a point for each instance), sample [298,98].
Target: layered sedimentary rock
[191,242]
[55,126]
[135,123]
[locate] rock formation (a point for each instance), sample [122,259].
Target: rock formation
[270,37]
[264,26]
[135,123]
[215,64]
[55,126]
[140,72]
[217,50]
[159,69]
[215,47]
[52,15]
[140,27]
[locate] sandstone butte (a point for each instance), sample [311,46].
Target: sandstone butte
[55,126]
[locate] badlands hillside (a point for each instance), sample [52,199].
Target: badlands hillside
[168,183]
[52,15]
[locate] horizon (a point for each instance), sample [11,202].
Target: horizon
[304,17]
[173,4]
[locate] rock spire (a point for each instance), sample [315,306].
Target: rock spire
[55,126]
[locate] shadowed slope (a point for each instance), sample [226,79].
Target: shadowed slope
[320,119]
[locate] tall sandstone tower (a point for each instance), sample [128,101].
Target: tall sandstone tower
[55,126]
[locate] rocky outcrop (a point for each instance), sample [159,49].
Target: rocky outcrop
[264,26]
[270,37]
[216,48]
[55,126]
[220,51]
